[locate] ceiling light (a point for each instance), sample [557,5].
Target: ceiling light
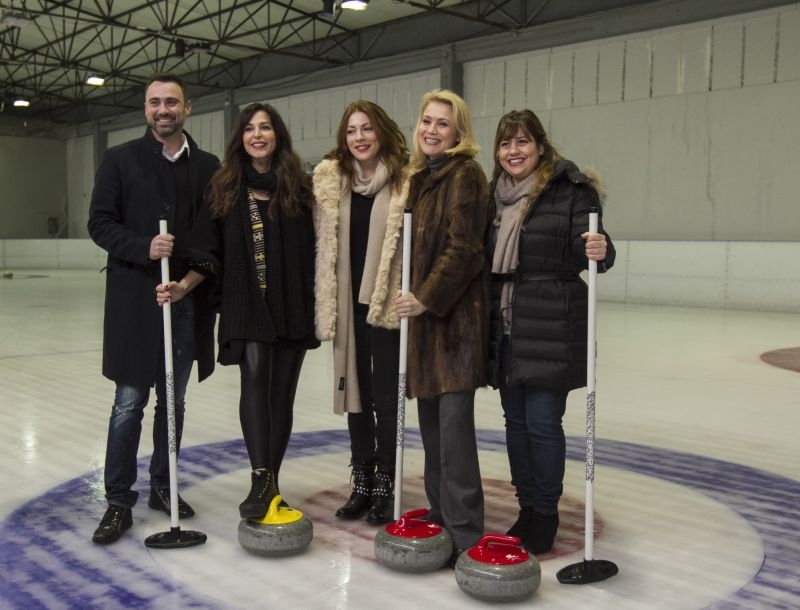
[95,81]
[355,5]
[21,103]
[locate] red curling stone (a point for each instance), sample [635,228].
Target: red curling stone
[497,569]
[414,545]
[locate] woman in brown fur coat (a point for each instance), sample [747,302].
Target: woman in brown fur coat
[448,310]
[360,190]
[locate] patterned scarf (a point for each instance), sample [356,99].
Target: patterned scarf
[265,183]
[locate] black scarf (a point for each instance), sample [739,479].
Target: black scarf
[260,182]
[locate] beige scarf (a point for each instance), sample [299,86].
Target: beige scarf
[344,341]
[509,201]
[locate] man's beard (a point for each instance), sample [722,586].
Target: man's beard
[165,130]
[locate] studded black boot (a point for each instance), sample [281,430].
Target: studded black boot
[359,501]
[262,491]
[382,497]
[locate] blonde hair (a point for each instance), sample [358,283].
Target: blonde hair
[465,139]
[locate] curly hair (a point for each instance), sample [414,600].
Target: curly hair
[294,184]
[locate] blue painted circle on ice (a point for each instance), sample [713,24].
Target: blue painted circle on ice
[46,557]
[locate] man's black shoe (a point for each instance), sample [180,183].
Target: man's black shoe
[159,500]
[116,520]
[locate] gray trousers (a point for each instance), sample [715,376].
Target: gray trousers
[452,473]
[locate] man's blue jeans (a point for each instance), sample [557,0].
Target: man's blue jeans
[125,425]
[535,442]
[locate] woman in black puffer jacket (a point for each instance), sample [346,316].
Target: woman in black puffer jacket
[538,244]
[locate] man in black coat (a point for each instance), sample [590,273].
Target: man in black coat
[161,175]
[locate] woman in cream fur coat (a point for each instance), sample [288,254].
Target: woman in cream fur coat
[360,189]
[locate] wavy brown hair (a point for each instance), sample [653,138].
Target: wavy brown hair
[293,192]
[525,120]
[393,152]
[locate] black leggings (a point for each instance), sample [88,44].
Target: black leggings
[269,374]
[373,431]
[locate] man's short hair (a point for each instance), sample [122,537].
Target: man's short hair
[165,77]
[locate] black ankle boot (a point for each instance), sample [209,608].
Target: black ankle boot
[522,527]
[359,501]
[543,533]
[262,491]
[382,497]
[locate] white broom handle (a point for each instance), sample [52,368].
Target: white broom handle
[591,358]
[401,378]
[170,389]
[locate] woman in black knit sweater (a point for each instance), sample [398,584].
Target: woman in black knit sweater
[259,244]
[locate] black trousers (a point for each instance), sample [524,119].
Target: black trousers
[373,431]
[269,375]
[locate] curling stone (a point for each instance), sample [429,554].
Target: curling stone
[282,531]
[413,545]
[497,569]
[8,274]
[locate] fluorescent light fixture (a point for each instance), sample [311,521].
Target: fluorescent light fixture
[96,81]
[355,5]
[21,103]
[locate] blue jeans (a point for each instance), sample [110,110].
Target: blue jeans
[535,442]
[125,424]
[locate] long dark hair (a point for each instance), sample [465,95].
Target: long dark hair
[293,191]
[393,151]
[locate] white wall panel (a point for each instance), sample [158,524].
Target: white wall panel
[327,118]
[218,136]
[752,179]
[385,97]
[561,63]
[123,135]
[677,273]
[368,92]
[695,60]
[585,76]
[538,83]
[759,50]
[679,207]
[726,60]
[282,106]
[473,88]
[494,86]
[515,84]
[610,71]
[638,59]
[485,128]
[308,110]
[405,111]
[80,181]
[666,61]
[337,105]
[789,46]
